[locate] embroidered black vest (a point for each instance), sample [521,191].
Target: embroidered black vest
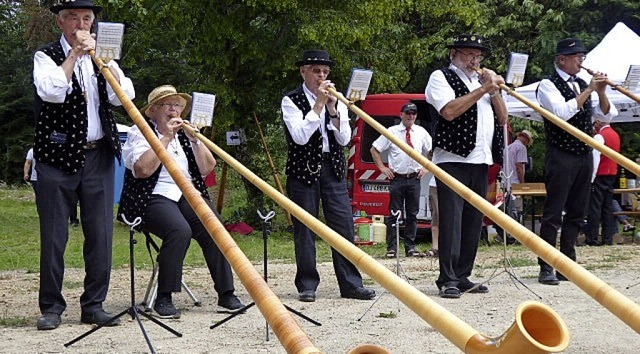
[136,191]
[558,137]
[305,161]
[459,135]
[61,128]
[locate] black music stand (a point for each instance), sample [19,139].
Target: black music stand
[266,223]
[133,310]
[507,267]
[399,269]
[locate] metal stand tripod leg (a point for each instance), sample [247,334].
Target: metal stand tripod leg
[399,269]
[506,264]
[133,310]
[266,230]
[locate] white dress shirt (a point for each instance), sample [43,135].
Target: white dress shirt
[52,85]
[438,93]
[399,161]
[301,129]
[552,100]
[136,145]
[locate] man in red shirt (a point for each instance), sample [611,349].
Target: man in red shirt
[603,178]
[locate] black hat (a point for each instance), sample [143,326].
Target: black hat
[471,41]
[75,4]
[315,56]
[570,46]
[409,107]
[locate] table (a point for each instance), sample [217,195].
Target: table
[534,190]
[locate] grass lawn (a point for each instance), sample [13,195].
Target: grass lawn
[20,240]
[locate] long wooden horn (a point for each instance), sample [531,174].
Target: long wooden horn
[543,331]
[585,138]
[615,86]
[618,304]
[292,337]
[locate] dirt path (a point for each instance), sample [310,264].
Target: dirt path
[593,329]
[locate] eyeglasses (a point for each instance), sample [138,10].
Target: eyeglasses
[411,113]
[171,105]
[321,71]
[580,56]
[470,56]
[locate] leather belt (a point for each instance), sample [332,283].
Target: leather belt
[407,176]
[90,145]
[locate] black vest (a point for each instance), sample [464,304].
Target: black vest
[136,191]
[459,135]
[305,161]
[61,128]
[558,137]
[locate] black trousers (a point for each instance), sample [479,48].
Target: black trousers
[460,223]
[57,191]
[176,224]
[568,181]
[336,208]
[601,210]
[405,195]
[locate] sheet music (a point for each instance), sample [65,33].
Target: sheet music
[517,69]
[202,109]
[109,40]
[359,84]
[633,77]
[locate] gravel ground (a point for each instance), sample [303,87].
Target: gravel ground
[345,323]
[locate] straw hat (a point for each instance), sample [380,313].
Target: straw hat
[528,135]
[165,91]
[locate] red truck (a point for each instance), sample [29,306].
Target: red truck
[368,187]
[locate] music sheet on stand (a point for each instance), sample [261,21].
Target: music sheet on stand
[202,109]
[109,40]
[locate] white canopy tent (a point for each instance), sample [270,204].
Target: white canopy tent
[619,49]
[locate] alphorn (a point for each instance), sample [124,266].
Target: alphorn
[618,304]
[585,138]
[292,337]
[537,328]
[618,87]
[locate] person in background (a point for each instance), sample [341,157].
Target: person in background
[518,159]
[149,192]
[29,170]
[317,130]
[568,161]
[602,180]
[404,174]
[468,139]
[435,218]
[75,143]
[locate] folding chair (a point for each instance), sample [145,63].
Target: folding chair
[152,288]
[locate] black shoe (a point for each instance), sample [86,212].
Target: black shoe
[307,296]
[229,304]
[164,308]
[471,287]
[561,277]
[100,318]
[361,293]
[48,321]
[548,278]
[450,292]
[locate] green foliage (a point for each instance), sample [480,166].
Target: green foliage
[244,52]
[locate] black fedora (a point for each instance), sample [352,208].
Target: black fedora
[471,41]
[75,4]
[570,46]
[315,56]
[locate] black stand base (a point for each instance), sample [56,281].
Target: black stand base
[133,310]
[265,236]
[242,310]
